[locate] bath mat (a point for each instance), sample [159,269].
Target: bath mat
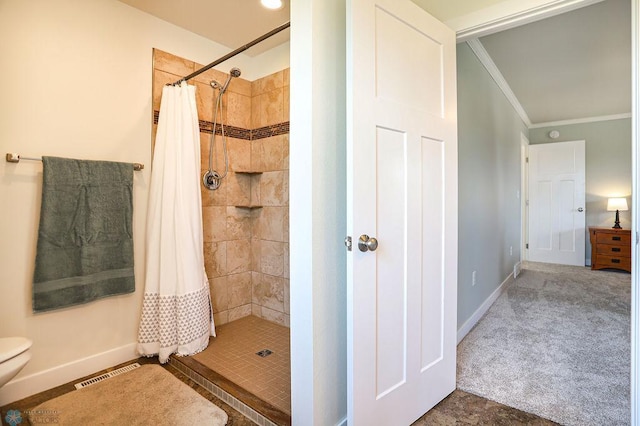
[149,395]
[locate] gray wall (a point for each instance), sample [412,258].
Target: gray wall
[608,166]
[489,179]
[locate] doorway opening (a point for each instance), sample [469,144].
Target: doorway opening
[533,133]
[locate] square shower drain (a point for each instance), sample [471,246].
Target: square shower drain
[265,352]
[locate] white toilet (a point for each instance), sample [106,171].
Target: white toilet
[14,354]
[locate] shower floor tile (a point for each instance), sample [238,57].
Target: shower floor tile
[233,354]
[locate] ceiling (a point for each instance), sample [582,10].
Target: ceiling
[572,66]
[231,23]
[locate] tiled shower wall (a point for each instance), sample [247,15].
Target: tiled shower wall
[246,220]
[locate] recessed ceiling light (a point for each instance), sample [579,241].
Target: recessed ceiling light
[272,4]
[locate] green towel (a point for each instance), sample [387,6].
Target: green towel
[85,239]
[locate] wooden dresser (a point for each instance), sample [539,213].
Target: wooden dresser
[610,248]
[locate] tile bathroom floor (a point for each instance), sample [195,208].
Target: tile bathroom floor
[233,355]
[233,365]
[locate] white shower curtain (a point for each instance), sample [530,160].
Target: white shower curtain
[176,311]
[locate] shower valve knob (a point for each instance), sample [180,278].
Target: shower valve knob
[365,243]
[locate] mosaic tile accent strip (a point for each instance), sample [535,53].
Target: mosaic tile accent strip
[238,132]
[231,131]
[269,131]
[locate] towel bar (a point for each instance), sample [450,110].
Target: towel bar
[15,158]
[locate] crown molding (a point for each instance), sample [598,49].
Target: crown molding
[581,120]
[484,58]
[510,14]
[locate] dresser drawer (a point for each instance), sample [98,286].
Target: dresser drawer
[610,248]
[614,262]
[610,238]
[613,250]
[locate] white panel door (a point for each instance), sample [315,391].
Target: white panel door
[402,190]
[557,203]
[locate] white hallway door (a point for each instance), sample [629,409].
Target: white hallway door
[557,203]
[402,191]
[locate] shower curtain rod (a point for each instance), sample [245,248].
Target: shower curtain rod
[234,53]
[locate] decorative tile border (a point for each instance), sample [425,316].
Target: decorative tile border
[269,131]
[231,131]
[244,409]
[238,132]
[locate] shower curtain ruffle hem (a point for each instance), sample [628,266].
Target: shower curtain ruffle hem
[177,316]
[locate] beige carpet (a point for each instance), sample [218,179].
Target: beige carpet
[148,395]
[555,344]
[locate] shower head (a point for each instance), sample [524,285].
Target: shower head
[235,72]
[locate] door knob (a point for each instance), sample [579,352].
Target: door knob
[580,209]
[367,244]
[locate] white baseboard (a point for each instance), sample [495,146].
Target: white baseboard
[473,320]
[342,422]
[44,380]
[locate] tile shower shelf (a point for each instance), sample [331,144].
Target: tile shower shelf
[251,174]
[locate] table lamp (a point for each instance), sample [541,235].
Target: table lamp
[617,204]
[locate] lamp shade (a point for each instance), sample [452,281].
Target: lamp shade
[617,204]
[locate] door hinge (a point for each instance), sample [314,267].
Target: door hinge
[347,243]
[527,245]
[526,160]
[637,238]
